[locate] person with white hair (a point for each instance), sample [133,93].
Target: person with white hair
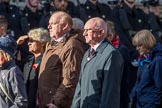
[100,77]
[37,39]
[78,24]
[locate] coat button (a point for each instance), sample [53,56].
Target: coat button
[139,20]
[103,16]
[26,14]
[13,15]
[87,7]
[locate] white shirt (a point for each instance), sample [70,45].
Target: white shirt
[96,46]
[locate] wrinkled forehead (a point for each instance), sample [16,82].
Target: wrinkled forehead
[90,24]
[54,18]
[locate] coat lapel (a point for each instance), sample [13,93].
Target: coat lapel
[27,69]
[99,50]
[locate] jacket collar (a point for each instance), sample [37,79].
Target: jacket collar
[102,46]
[156,51]
[69,35]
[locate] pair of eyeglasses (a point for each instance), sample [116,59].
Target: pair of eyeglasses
[32,40]
[91,30]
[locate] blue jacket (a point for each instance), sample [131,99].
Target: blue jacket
[148,87]
[12,80]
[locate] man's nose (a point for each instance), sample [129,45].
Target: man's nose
[84,33]
[49,26]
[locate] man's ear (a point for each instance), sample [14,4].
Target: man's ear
[66,26]
[102,31]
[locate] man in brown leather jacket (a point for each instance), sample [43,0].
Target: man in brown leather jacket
[60,67]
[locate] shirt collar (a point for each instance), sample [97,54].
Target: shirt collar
[63,36]
[96,46]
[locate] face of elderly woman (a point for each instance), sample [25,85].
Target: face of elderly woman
[35,46]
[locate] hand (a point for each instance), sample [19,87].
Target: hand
[22,39]
[51,105]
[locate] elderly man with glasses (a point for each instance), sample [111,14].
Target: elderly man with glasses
[101,70]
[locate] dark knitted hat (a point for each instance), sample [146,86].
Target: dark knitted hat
[9,45]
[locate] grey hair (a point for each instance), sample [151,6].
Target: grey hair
[39,34]
[77,24]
